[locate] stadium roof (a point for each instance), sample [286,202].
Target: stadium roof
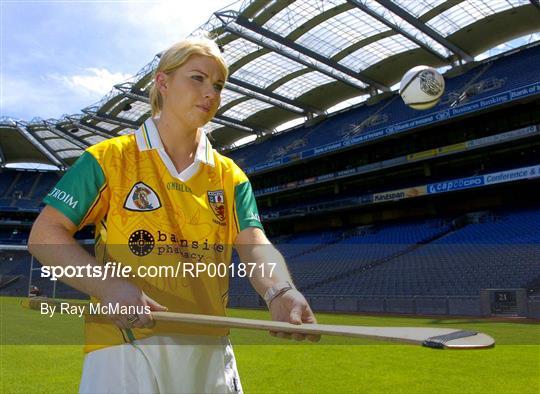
[291,60]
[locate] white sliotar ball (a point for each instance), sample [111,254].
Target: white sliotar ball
[421,87]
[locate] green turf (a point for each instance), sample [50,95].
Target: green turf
[271,365]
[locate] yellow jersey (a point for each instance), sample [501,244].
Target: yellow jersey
[148,215]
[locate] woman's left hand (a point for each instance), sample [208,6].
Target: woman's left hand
[293,308]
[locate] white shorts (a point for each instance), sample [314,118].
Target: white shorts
[163,364]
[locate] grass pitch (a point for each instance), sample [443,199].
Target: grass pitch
[29,362]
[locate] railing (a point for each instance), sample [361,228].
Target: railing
[414,305]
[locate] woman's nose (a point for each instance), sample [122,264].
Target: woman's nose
[211,93]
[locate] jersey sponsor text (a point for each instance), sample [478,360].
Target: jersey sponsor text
[64,197]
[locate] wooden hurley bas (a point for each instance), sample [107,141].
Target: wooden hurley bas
[439,338]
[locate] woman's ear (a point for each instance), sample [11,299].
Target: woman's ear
[161,81]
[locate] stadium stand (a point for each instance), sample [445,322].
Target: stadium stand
[336,192]
[499,253]
[393,110]
[24,190]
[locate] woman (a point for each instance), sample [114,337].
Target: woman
[163,197]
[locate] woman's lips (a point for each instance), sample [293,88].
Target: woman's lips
[203,108]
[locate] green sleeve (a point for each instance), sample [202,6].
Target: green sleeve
[78,190]
[246,207]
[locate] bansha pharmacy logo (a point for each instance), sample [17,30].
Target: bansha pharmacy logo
[141,243]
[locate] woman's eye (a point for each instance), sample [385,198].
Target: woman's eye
[218,88]
[197,77]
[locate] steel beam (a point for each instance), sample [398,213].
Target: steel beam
[272,95]
[2,157]
[51,155]
[110,119]
[94,129]
[265,99]
[403,14]
[225,122]
[236,122]
[236,31]
[397,29]
[308,53]
[75,140]
[129,94]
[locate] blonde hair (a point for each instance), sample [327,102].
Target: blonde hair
[176,56]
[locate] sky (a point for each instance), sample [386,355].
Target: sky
[58,57]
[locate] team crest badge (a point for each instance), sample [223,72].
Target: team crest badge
[142,198]
[217,202]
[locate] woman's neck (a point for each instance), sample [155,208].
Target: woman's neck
[180,142]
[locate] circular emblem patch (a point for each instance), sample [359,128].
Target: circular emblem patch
[141,243]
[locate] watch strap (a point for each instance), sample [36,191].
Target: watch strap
[275,291]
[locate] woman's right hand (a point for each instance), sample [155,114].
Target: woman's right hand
[125,293]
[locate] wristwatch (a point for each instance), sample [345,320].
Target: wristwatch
[275,291]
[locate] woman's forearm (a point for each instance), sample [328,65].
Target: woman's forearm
[270,267]
[53,245]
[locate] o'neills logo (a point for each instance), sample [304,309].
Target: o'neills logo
[216,199]
[142,198]
[64,197]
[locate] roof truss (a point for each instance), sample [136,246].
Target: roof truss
[397,29]
[23,129]
[228,18]
[285,56]
[308,53]
[396,9]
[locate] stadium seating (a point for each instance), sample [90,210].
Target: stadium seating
[24,191]
[501,253]
[6,180]
[392,111]
[13,237]
[290,247]
[379,244]
[15,265]
[421,258]
[24,183]
[314,258]
[526,61]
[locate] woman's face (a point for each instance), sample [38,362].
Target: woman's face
[193,92]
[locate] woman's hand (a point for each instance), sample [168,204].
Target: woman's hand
[125,293]
[293,308]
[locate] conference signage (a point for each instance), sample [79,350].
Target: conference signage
[515,174]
